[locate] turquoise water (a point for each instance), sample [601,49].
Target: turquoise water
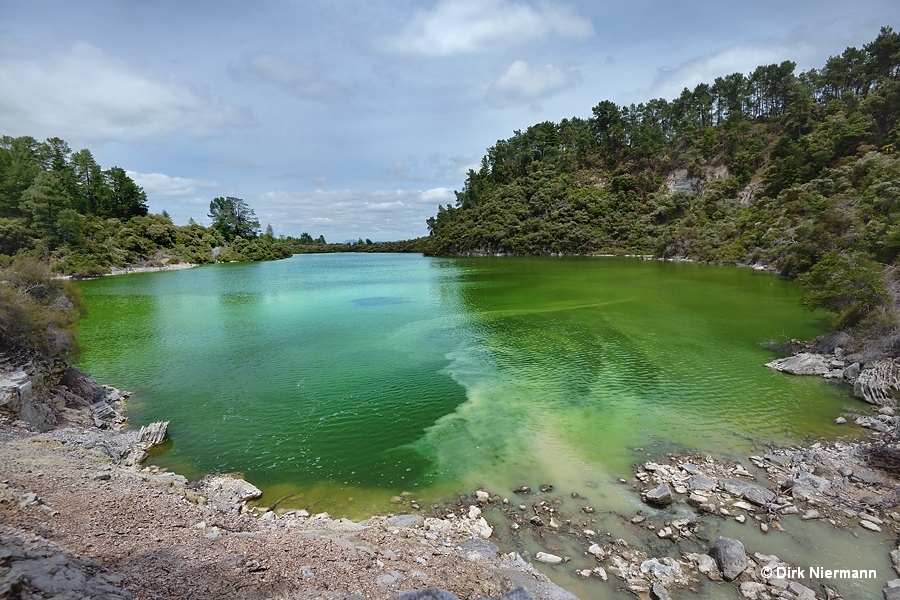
[342,380]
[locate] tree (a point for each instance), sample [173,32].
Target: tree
[233,218]
[20,163]
[849,285]
[89,185]
[44,200]
[125,198]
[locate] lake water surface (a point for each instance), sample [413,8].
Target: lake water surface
[335,382]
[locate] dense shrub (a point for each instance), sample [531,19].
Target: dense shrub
[37,311]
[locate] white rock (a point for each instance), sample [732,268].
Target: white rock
[804,363]
[869,525]
[546,558]
[751,590]
[601,573]
[596,550]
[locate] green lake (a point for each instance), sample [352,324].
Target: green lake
[335,382]
[363,376]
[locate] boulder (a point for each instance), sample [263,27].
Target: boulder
[804,363]
[661,495]
[750,492]
[853,371]
[706,564]
[547,558]
[406,521]
[807,480]
[701,483]
[730,557]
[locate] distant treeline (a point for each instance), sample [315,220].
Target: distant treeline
[62,208]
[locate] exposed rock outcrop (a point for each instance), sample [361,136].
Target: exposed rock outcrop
[878,383]
[46,394]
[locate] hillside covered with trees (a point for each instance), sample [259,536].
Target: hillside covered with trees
[795,171]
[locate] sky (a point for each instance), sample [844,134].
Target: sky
[356,119]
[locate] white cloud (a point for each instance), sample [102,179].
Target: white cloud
[287,73]
[669,82]
[381,215]
[523,85]
[439,195]
[465,26]
[86,95]
[159,184]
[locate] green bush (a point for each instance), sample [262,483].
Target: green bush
[38,312]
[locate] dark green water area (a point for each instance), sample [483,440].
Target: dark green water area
[334,382]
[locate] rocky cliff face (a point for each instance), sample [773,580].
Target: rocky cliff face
[44,394]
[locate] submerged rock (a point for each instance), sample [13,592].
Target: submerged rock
[547,558]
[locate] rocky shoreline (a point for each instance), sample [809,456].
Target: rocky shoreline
[81,516]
